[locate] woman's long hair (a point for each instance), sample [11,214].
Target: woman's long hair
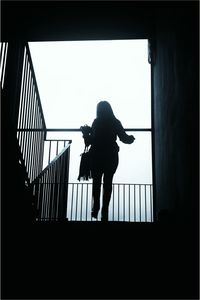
[104,110]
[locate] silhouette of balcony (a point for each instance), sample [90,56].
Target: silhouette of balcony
[129,202]
[53,197]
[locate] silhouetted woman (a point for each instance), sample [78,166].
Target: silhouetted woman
[104,154]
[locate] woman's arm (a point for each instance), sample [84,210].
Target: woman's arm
[123,136]
[87,134]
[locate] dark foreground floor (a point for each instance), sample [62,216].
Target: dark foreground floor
[93,260]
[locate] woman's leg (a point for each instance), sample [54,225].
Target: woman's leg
[96,190]
[107,191]
[110,169]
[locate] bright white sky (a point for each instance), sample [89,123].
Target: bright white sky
[73,77]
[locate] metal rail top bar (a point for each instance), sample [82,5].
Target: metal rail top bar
[75,129]
[53,161]
[114,183]
[48,140]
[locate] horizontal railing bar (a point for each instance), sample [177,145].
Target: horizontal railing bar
[57,140]
[75,129]
[115,183]
[91,182]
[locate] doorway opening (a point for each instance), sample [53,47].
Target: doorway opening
[72,77]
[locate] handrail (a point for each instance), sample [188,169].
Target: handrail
[77,129]
[54,160]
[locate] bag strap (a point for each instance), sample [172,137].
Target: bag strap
[86,149]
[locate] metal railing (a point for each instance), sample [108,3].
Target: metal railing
[3,58]
[129,202]
[52,148]
[30,117]
[50,188]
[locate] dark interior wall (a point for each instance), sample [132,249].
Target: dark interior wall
[173,25]
[176,114]
[75,20]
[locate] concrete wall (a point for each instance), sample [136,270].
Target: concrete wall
[176,115]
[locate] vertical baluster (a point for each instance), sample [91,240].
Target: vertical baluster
[140,200]
[91,203]
[47,194]
[58,195]
[123,202]
[42,137]
[151,202]
[34,137]
[68,194]
[65,183]
[145,203]
[81,201]
[41,199]
[113,191]
[49,152]
[134,203]
[4,64]
[20,125]
[43,196]
[86,201]
[129,201]
[52,192]
[57,148]
[25,117]
[41,147]
[76,201]
[72,199]
[26,150]
[29,144]
[61,187]
[37,145]
[32,134]
[57,191]
[21,98]
[1,56]
[24,107]
[118,199]
[35,142]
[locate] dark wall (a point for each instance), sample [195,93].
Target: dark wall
[176,115]
[173,26]
[75,20]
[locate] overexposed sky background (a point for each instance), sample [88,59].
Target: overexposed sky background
[74,76]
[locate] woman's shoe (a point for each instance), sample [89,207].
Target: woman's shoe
[94,215]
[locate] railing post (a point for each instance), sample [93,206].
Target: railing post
[12,82]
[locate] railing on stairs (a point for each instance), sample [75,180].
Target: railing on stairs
[50,188]
[31,132]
